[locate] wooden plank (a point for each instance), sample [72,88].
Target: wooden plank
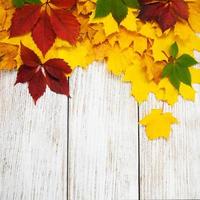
[33,144]
[103,137]
[170,169]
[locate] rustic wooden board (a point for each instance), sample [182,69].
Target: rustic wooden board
[102,146]
[170,169]
[103,137]
[33,144]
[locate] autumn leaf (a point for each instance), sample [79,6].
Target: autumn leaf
[20,3]
[165,12]
[52,74]
[46,22]
[8,54]
[177,69]
[118,8]
[158,124]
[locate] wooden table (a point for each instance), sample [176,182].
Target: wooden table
[91,147]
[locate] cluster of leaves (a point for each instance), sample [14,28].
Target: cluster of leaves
[165,12]
[52,73]
[177,70]
[116,34]
[118,8]
[46,22]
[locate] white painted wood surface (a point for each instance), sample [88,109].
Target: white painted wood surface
[103,137]
[102,144]
[33,144]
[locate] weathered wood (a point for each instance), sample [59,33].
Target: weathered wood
[170,169]
[33,144]
[103,137]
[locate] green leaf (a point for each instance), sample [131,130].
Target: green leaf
[20,3]
[167,70]
[118,8]
[103,8]
[174,50]
[174,79]
[132,3]
[177,69]
[186,61]
[183,74]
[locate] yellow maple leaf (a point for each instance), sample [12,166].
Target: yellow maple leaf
[158,124]
[8,54]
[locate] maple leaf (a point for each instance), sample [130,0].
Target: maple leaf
[52,74]
[118,8]
[177,68]
[8,54]
[165,12]
[46,22]
[158,124]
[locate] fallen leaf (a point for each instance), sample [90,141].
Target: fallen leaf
[177,68]
[46,24]
[158,124]
[52,73]
[118,8]
[8,54]
[165,12]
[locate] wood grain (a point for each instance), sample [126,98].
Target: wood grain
[33,144]
[103,137]
[170,169]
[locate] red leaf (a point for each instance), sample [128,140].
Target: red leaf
[60,64]
[45,28]
[65,25]
[63,3]
[52,73]
[165,13]
[181,8]
[29,58]
[43,34]
[58,85]
[24,74]
[24,19]
[37,85]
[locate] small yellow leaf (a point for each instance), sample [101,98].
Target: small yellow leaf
[158,124]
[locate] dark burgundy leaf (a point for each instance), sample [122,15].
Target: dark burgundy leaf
[37,85]
[29,58]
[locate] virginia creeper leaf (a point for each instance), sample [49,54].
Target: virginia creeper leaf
[65,25]
[165,12]
[174,50]
[167,70]
[43,34]
[186,60]
[177,69]
[183,74]
[24,20]
[64,3]
[52,74]
[46,25]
